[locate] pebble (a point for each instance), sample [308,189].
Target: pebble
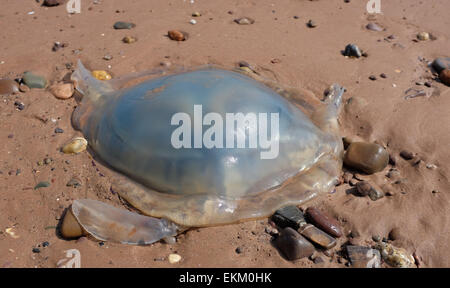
[444,76]
[45,244]
[395,257]
[293,245]
[124,25]
[373,77]
[289,216]
[376,238]
[74,182]
[407,155]
[374,27]
[33,80]
[101,75]
[59,130]
[366,157]
[193,22]
[129,40]
[107,57]
[8,86]
[238,250]
[323,221]
[317,236]
[395,234]
[24,88]
[244,21]
[383,75]
[363,257]
[42,184]
[351,50]
[347,177]
[75,146]
[170,240]
[58,45]
[51,3]
[36,250]
[174,258]
[440,64]
[62,91]
[318,260]
[365,189]
[177,35]
[311,24]
[196,14]
[70,228]
[423,36]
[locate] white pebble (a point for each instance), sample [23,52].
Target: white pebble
[174,258]
[193,22]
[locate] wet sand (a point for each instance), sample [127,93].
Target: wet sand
[310,58]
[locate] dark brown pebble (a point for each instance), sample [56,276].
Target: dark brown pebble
[407,155]
[51,3]
[293,245]
[324,221]
[444,76]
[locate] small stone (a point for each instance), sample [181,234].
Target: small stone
[311,24]
[76,145]
[45,244]
[351,50]
[365,189]
[353,182]
[196,14]
[376,238]
[275,61]
[407,155]
[444,76]
[36,250]
[374,27]
[42,184]
[238,250]
[193,21]
[293,245]
[170,240]
[383,75]
[347,177]
[8,86]
[431,166]
[423,36]
[59,130]
[244,21]
[289,216]
[174,258]
[129,39]
[33,80]
[101,75]
[318,260]
[107,57]
[124,25]
[51,3]
[324,221]
[395,257]
[70,228]
[440,64]
[62,91]
[363,257]
[47,161]
[74,182]
[393,174]
[58,45]
[24,88]
[177,35]
[317,236]
[366,157]
[373,77]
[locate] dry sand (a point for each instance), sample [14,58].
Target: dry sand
[309,58]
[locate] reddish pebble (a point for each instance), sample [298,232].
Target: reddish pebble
[177,35]
[445,76]
[324,222]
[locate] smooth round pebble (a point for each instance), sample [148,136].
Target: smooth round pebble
[76,145]
[444,76]
[62,91]
[34,81]
[177,35]
[366,157]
